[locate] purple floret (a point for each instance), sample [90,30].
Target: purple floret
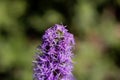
[55,60]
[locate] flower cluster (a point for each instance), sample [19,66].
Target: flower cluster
[54,62]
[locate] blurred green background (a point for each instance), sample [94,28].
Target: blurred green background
[94,23]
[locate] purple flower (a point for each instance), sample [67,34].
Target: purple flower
[54,62]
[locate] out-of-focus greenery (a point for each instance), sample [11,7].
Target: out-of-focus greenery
[95,25]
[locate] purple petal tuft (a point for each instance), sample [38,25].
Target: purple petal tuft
[55,61]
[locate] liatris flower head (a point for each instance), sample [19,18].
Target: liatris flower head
[55,60]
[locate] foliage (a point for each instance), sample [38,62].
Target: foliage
[95,24]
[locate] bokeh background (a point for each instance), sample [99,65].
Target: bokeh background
[94,23]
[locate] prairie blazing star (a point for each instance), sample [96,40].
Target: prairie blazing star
[54,59]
